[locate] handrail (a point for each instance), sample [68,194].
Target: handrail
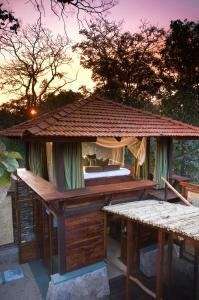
[176,192]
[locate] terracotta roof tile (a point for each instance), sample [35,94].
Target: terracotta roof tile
[93,116]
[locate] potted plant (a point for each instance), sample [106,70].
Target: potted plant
[8,165]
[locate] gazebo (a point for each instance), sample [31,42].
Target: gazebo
[60,218]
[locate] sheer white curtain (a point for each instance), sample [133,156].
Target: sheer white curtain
[136,146]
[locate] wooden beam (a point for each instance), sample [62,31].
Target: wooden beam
[170,156]
[176,192]
[61,240]
[160,263]
[59,166]
[170,258]
[105,234]
[67,139]
[50,228]
[27,147]
[130,254]
[77,211]
[196,273]
[148,149]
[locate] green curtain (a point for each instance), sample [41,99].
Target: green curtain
[38,160]
[161,161]
[73,168]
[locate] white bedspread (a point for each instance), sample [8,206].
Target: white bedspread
[120,172]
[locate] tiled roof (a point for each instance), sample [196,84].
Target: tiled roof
[95,117]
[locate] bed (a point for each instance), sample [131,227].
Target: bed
[113,173]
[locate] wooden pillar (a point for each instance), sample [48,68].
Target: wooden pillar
[50,228]
[170,157]
[27,166]
[170,258]
[148,156]
[160,263]
[59,165]
[196,273]
[136,247]
[61,240]
[130,253]
[105,235]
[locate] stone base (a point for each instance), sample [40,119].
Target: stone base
[89,283]
[148,259]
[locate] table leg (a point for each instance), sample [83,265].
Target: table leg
[160,262]
[130,253]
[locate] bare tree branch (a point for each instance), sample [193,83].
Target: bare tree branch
[36,64]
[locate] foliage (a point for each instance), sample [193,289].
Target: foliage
[124,65]
[186,158]
[36,65]
[52,101]
[15,112]
[8,22]
[180,100]
[81,8]
[181,71]
[8,165]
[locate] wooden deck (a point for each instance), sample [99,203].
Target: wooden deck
[48,192]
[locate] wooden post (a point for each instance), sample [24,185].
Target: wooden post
[136,247]
[130,235]
[170,156]
[105,234]
[176,192]
[170,258]
[165,193]
[61,240]
[50,228]
[27,166]
[196,273]
[59,166]
[160,262]
[148,156]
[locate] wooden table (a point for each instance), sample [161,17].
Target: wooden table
[167,218]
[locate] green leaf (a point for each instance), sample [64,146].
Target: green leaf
[13,154]
[11,164]
[4,180]
[2,171]
[2,147]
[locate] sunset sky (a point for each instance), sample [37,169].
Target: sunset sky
[156,12]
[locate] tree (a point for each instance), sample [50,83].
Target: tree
[8,22]
[35,66]
[62,8]
[181,71]
[53,101]
[125,66]
[180,65]
[15,111]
